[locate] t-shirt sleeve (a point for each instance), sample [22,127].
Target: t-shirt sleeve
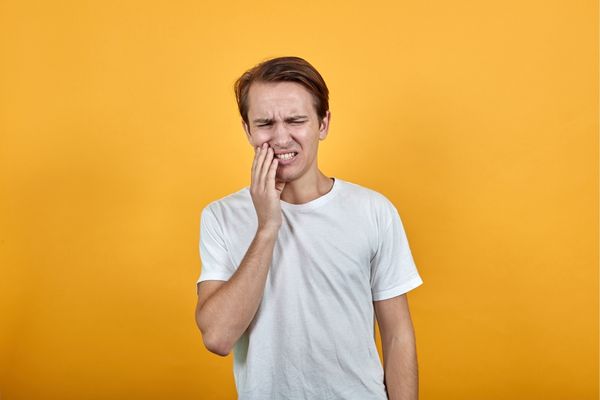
[214,256]
[393,270]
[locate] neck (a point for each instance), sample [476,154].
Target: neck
[309,187]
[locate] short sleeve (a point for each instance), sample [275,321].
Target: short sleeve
[393,270]
[213,251]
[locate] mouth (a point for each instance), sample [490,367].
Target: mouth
[286,158]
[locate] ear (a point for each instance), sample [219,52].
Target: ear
[324,125]
[248,134]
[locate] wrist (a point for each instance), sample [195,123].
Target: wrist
[268,231]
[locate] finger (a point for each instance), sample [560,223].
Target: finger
[272,173]
[279,185]
[259,162]
[253,164]
[262,161]
[265,168]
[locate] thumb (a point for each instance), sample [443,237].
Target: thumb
[279,185]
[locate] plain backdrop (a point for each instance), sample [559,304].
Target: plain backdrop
[118,124]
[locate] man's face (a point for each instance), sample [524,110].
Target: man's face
[283,115]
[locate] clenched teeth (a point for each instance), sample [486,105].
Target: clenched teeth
[286,156]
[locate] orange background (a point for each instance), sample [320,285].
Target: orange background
[118,123]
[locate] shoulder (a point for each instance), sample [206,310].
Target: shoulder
[377,201]
[373,205]
[240,200]
[231,200]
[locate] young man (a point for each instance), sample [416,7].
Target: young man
[296,266]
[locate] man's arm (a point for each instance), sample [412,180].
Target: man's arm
[399,348]
[225,310]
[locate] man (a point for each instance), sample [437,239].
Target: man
[296,266]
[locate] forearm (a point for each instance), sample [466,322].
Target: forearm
[400,367]
[224,317]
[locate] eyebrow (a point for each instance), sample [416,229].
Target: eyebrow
[288,119]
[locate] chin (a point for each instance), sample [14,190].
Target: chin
[285,177]
[289,175]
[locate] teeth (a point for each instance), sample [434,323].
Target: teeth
[286,156]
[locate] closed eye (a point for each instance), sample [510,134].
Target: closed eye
[290,122]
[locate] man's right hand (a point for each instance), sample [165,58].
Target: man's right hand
[263,189]
[224,313]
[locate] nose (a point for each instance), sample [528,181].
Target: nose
[282,138]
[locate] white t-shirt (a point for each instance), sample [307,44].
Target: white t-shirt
[313,334]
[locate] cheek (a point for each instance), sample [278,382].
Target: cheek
[305,139]
[258,138]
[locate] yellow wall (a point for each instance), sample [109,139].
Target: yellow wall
[479,120]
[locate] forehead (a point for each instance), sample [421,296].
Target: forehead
[278,98]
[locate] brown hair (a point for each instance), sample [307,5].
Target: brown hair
[283,69]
